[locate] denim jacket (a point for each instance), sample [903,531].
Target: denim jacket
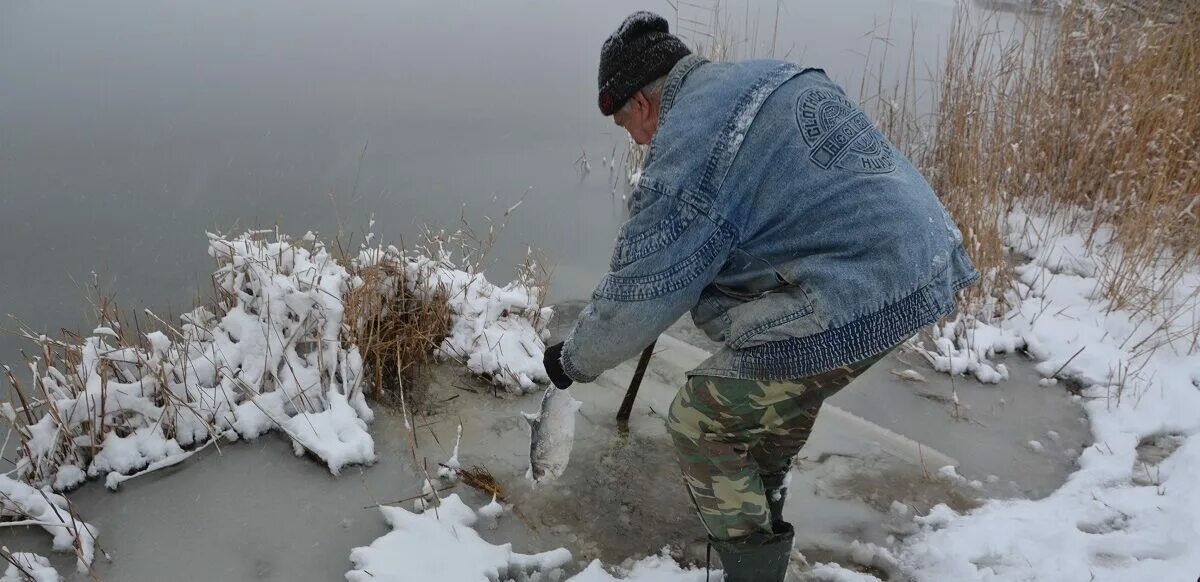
[772,208]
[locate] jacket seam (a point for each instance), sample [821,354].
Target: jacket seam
[654,238]
[628,289]
[675,80]
[729,144]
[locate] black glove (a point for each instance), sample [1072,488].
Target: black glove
[553,363]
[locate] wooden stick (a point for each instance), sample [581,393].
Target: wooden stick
[635,383]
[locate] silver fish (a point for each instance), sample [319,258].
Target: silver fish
[551,435]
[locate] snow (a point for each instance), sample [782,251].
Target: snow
[270,358]
[438,540]
[52,513]
[497,332]
[26,567]
[1140,374]
[834,573]
[442,545]
[659,568]
[114,479]
[452,468]
[337,435]
[68,477]
[965,346]
[491,512]
[126,454]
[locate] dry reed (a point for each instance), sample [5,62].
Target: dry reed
[1090,116]
[396,330]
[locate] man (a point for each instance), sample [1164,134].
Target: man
[772,208]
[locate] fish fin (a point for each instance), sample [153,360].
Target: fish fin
[532,419]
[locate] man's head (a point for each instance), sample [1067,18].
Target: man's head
[634,63]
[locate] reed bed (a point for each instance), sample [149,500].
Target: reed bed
[1091,116]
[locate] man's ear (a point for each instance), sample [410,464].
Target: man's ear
[643,103]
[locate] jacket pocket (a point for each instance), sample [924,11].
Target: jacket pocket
[775,316]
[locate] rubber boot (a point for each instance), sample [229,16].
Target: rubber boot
[776,491]
[758,557]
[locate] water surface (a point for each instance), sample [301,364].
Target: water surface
[128,128]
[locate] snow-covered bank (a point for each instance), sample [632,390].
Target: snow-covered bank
[269,356]
[1132,510]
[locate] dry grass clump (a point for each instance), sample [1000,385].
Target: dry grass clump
[395,329]
[407,309]
[480,478]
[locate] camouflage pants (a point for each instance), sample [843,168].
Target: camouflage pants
[730,434]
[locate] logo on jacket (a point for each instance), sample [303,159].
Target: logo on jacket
[841,135]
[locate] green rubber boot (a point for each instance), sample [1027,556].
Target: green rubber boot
[758,557]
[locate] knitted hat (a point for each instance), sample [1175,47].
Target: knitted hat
[640,51]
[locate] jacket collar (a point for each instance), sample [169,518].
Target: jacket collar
[675,81]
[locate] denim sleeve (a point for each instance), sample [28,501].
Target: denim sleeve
[666,254]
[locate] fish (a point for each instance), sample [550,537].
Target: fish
[551,435]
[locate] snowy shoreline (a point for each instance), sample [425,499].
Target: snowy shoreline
[1127,512]
[1131,511]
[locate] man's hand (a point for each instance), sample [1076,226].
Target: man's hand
[553,363]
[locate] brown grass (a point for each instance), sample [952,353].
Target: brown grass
[480,478]
[395,330]
[1091,116]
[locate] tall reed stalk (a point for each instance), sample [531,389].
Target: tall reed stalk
[1091,115]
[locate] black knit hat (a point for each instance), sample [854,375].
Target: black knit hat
[640,51]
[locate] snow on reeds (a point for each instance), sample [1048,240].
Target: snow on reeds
[293,341]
